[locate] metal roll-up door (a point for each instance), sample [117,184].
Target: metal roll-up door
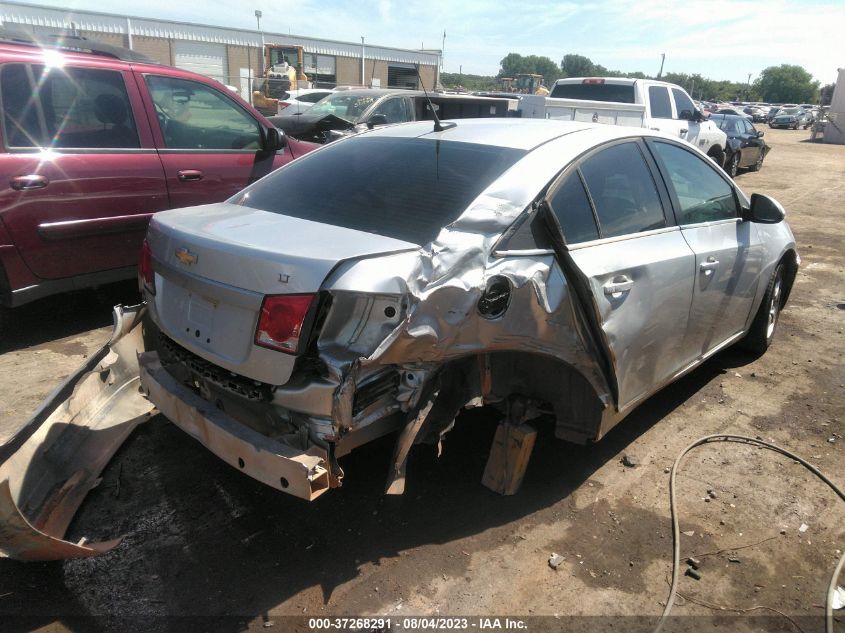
[204,58]
[401,75]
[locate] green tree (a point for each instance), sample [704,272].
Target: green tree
[469,82]
[573,65]
[546,67]
[786,84]
[514,64]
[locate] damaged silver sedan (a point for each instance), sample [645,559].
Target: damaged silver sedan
[387,281]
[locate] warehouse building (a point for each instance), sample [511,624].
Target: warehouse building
[231,56]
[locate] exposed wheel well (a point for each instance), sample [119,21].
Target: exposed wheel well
[547,382]
[790,264]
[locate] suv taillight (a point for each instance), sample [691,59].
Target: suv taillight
[145,268]
[281,321]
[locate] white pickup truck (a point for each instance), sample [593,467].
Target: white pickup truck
[656,105]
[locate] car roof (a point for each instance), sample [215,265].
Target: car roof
[14,41]
[525,134]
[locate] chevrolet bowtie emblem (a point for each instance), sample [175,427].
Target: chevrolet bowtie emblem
[186,257]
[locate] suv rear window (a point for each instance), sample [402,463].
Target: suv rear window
[617,93]
[404,188]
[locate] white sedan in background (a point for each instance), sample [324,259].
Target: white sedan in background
[301,100]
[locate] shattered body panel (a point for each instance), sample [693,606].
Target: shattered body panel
[56,458]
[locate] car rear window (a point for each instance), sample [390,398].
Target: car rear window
[617,93]
[404,188]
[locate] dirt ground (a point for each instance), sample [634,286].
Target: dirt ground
[208,549]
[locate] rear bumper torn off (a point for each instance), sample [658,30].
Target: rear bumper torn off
[304,474]
[56,457]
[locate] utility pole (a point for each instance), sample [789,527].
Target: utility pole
[363,71]
[261,35]
[748,86]
[662,59]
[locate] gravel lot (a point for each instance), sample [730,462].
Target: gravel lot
[203,540]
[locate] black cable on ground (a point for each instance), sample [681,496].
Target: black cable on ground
[676,540]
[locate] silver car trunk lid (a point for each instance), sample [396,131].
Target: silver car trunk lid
[214,264]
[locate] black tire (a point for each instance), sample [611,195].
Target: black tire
[732,166]
[759,164]
[717,155]
[762,331]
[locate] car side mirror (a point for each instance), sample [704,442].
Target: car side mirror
[765,210]
[274,140]
[760,133]
[376,119]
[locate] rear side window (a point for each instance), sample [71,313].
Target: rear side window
[64,107]
[703,194]
[658,99]
[683,104]
[573,211]
[617,93]
[404,188]
[314,97]
[193,115]
[394,109]
[623,191]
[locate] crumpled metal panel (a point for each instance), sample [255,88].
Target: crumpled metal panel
[56,458]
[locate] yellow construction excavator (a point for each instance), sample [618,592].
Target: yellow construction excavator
[282,72]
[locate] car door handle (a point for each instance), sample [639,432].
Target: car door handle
[190,175]
[618,285]
[27,183]
[683,132]
[709,266]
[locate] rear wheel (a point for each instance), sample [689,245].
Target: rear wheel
[733,165]
[762,330]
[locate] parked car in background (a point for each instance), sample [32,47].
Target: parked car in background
[299,101]
[757,114]
[734,112]
[773,112]
[746,147]
[95,140]
[790,118]
[395,277]
[348,112]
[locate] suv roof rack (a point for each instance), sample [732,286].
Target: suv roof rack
[70,42]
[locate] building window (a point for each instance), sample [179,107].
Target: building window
[321,70]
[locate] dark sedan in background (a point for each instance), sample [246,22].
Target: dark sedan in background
[746,148]
[790,118]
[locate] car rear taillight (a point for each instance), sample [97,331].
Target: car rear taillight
[145,268]
[593,81]
[281,321]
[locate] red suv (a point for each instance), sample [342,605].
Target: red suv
[95,139]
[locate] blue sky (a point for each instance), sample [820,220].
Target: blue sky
[721,39]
